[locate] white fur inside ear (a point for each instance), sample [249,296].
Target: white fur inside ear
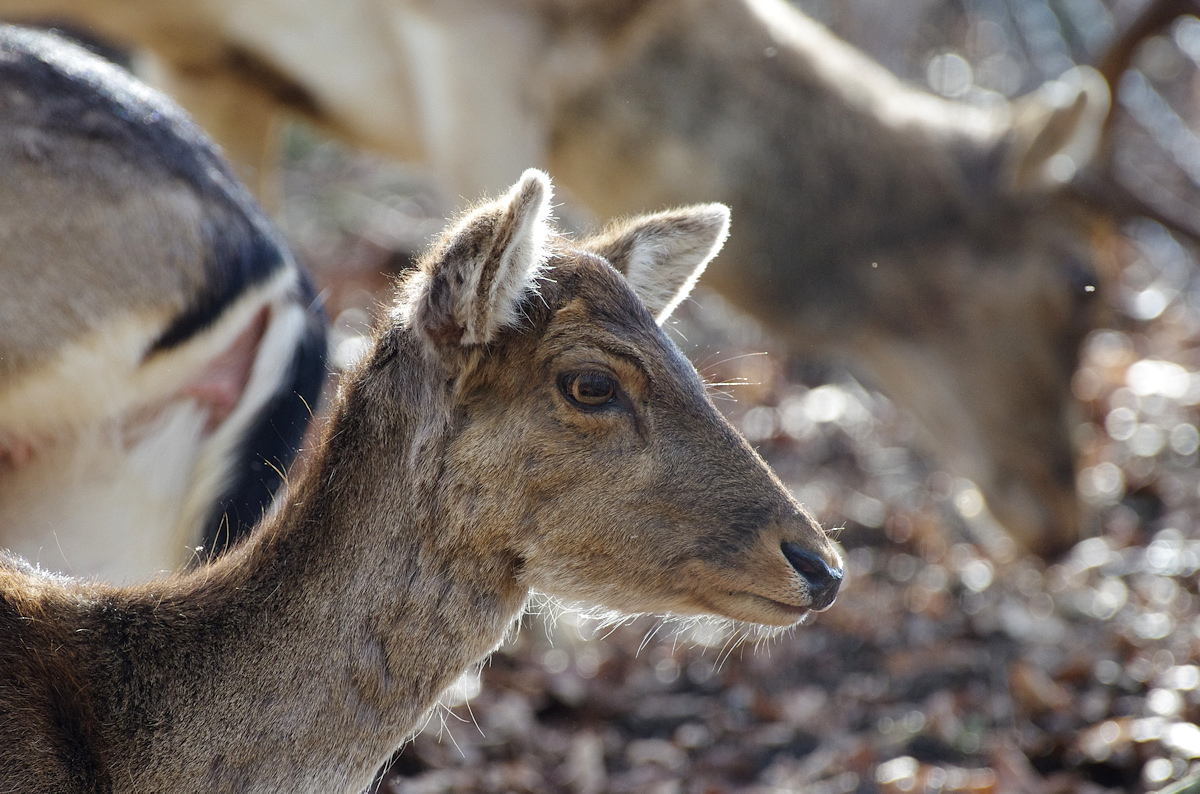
[473,282]
[669,251]
[522,231]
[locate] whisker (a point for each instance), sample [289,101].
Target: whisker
[453,741]
[646,640]
[738,357]
[471,711]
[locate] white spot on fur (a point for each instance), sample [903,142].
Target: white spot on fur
[130,469]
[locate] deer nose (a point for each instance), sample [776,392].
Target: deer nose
[823,580]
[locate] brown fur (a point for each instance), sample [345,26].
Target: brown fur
[451,480]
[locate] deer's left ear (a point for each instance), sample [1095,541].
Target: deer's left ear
[470,286]
[662,255]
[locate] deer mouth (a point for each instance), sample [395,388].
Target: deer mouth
[800,612]
[747,600]
[755,608]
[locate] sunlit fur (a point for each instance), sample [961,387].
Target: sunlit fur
[452,480]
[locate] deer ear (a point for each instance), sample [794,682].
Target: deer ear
[473,281]
[662,255]
[1056,130]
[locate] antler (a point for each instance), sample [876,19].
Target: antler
[1152,19]
[1102,185]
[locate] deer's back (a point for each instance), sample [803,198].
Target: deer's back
[94,161]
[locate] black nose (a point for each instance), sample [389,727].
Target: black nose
[823,581]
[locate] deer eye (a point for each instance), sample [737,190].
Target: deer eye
[588,389]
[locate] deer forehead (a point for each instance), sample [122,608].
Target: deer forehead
[591,292]
[606,316]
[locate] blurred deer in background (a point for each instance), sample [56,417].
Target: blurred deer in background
[159,352]
[520,422]
[949,252]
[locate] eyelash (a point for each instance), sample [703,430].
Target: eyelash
[605,388]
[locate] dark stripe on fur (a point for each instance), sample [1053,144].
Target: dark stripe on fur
[239,255]
[270,444]
[82,95]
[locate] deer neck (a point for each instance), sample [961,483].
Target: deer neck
[367,582]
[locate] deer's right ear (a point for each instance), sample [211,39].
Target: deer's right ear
[471,285]
[1056,131]
[662,255]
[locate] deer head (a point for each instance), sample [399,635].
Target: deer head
[587,436]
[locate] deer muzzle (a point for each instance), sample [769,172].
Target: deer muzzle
[823,580]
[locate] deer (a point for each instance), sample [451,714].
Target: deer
[952,255]
[160,350]
[519,423]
